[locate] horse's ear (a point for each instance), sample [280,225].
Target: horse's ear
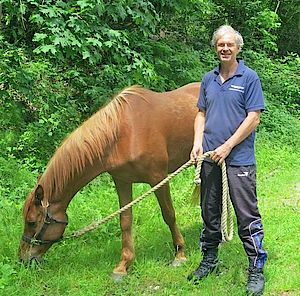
[38,195]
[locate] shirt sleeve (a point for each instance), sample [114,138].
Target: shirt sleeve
[254,98]
[201,101]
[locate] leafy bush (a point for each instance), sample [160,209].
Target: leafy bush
[62,60]
[280,79]
[281,86]
[34,101]
[262,25]
[15,181]
[279,126]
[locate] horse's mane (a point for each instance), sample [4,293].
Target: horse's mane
[27,204]
[86,143]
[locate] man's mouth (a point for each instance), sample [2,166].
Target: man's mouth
[225,56]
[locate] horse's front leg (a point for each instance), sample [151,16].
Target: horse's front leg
[168,212]
[124,191]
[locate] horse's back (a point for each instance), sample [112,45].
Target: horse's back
[156,131]
[175,123]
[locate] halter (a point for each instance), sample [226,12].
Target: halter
[37,239]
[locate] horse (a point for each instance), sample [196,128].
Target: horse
[138,137]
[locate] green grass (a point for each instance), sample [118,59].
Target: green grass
[83,266]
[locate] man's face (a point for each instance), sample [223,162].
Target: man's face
[227,48]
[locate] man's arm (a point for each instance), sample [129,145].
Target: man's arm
[244,130]
[198,135]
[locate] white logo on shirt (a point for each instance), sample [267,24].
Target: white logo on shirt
[237,88]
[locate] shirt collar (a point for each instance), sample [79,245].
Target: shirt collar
[239,71]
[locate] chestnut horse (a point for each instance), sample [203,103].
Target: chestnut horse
[140,136]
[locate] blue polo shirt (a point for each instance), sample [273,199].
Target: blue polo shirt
[226,106]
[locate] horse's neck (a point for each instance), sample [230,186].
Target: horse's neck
[85,154]
[74,183]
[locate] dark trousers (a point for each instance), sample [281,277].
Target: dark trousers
[242,188]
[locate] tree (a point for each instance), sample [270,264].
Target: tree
[289,32]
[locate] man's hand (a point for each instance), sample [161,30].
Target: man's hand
[220,153]
[196,152]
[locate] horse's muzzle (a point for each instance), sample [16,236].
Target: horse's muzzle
[28,254]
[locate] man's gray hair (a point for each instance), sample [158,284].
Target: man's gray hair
[227,29]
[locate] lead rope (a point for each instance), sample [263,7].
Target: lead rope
[96,224]
[226,203]
[226,216]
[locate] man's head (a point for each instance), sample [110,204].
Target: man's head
[227,43]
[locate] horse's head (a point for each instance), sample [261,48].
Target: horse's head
[44,224]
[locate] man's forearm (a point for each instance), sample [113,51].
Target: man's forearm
[199,128]
[245,129]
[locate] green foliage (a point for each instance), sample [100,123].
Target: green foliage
[279,77]
[15,181]
[261,28]
[288,34]
[89,30]
[188,21]
[69,57]
[281,86]
[279,126]
[175,64]
[33,107]
[255,20]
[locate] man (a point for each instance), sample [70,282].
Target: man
[229,104]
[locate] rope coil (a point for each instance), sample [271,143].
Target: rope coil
[226,216]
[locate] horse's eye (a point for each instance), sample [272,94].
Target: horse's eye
[31,224]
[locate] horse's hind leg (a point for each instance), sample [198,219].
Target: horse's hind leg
[124,191]
[168,212]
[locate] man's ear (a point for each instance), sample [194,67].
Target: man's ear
[38,195]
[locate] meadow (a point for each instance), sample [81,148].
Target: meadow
[83,266]
[62,60]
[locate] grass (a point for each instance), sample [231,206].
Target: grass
[83,266]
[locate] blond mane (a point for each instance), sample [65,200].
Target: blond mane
[86,143]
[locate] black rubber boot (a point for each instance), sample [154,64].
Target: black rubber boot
[256,282]
[206,266]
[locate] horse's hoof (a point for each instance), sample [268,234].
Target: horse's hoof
[118,276]
[178,262]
